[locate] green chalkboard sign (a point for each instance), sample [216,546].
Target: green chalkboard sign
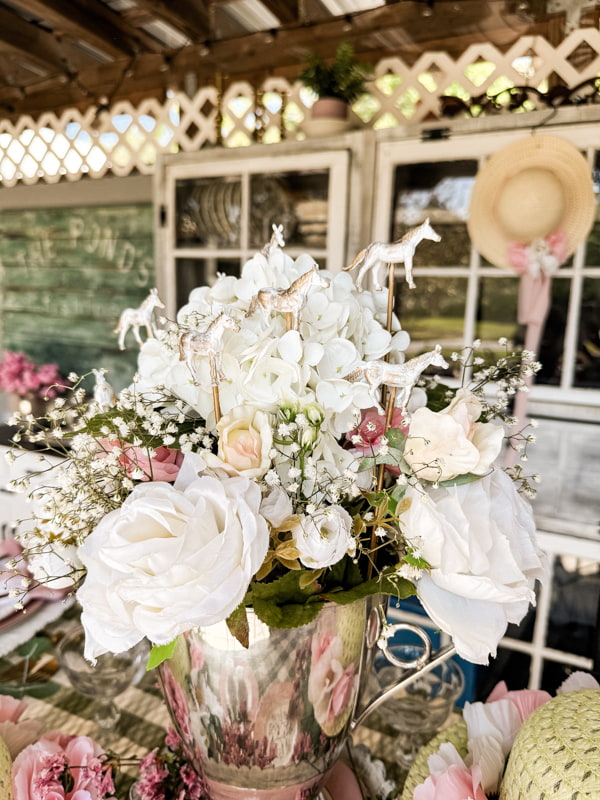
[66,274]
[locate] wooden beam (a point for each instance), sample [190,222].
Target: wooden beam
[140,40]
[85,23]
[192,20]
[30,41]
[286,11]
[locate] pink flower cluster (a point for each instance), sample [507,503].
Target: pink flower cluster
[165,774]
[56,766]
[20,375]
[62,767]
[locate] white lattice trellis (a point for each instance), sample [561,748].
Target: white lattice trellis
[124,139]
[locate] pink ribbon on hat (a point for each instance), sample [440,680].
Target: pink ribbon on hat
[536,263]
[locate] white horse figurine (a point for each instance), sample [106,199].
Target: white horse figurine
[207,343]
[398,376]
[275,241]
[292,300]
[402,251]
[104,394]
[136,317]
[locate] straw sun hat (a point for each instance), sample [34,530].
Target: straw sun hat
[527,191]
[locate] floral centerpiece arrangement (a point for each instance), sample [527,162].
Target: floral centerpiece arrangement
[251,465]
[21,376]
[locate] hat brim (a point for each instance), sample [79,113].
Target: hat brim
[543,152]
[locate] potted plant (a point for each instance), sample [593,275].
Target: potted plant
[337,84]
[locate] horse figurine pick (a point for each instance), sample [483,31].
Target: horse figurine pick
[104,394]
[396,376]
[137,317]
[401,251]
[276,241]
[207,343]
[291,301]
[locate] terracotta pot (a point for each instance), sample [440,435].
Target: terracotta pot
[329,108]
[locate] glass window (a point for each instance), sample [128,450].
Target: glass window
[297,200]
[193,272]
[587,359]
[434,313]
[208,212]
[440,191]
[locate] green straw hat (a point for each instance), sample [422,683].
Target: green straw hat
[455,734]
[556,754]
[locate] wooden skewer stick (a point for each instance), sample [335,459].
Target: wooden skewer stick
[389,409]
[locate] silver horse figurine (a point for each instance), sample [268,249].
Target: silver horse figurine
[291,301]
[401,251]
[207,343]
[276,240]
[398,376]
[137,317]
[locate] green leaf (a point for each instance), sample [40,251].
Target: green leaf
[290,615]
[387,582]
[35,647]
[160,653]
[437,396]
[237,623]
[285,589]
[38,690]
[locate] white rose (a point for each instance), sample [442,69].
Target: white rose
[479,539]
[170,560]
[442,445]
[324,538]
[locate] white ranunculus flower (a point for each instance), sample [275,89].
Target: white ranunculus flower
[442,445]
[479,539]
[169,560]
[324,538]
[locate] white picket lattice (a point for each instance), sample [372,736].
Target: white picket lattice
[125,139]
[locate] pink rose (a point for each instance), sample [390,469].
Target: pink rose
[163,466]
[17,733]
[455,783]
[367,436]
[11,709]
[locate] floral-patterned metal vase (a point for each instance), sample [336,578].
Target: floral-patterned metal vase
[271,720]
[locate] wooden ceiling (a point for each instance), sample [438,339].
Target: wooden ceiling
[60,54]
